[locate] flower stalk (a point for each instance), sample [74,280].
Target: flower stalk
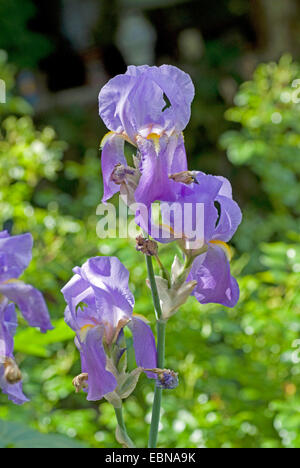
[161,339]
[121,432]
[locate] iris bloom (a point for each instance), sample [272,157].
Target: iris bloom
[211,269]
[15,256]
[148,107]
[99,306]
[220,220]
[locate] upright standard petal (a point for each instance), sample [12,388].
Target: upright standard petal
[214,281]
[76,291]
[135,100]
[112,99]
[15,255]
[144,345]
[30,302]
[93,361]
[128,103]
[179,89]
[110,275]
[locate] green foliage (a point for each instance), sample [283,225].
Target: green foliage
[14,435]
[14,104]
[267,140]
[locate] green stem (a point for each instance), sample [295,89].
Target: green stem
[122,436]
[153,287]
[161,338]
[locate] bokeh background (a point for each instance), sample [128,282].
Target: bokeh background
[239,368]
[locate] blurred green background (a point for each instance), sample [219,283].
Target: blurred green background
[239,368]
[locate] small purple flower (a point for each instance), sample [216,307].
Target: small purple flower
[99,306]
[15,256]
[148,107]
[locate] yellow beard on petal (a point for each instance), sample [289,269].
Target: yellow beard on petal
[225,247]
[155,138]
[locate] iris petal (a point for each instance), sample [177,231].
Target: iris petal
[15,255]
[144,345]
[30,302]
[93,362]
[215,283]
[112,154]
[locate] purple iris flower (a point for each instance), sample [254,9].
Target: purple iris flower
[99,306]
[222,217]
[15,256]
[204,237]
[8,326]
[149,107]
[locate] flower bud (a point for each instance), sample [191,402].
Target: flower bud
[12,373]
[166,378]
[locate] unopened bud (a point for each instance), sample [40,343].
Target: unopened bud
[80,382]
[146,246]
[12,373]
[166,378]
[185,177]
[120,172]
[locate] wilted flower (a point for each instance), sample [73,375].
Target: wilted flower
[148,107]
[100,305]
